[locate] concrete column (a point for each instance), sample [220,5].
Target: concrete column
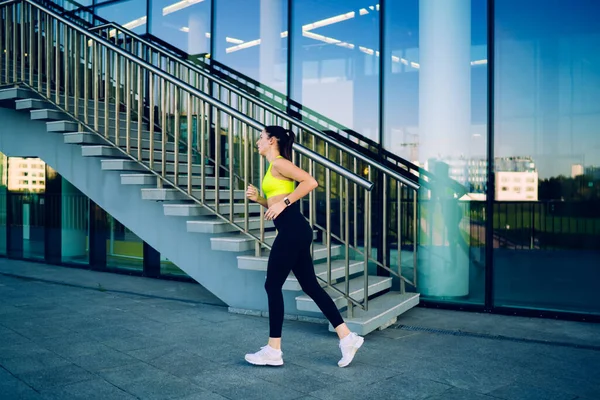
[271,15]
[73,226]
[444,133]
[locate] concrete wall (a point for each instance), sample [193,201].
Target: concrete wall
[215,270]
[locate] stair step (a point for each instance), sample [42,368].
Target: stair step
[111,151]
[47,114]
[16,93]
[56,115]
[383,311]
[133,128]
[338,270]
[133,142]
[121,165]
[157,194]
[83,138]
[151,179]
[170,168]
[32,104]
[62,126]
[170,155]
[218,225]
[93,138]
[196,210]
[240,242]
[197,181]
[101,151]
[260,263]
[357,291]
[139,179]
[132,134]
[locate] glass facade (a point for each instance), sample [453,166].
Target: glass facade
[495,100]
[335,61]
[547,151]
[3,199]
[123,247]
[74,228]
[434,115]
[251,37]
[132,14]
[183,24]
[44,217]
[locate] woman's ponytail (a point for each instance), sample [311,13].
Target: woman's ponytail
[285,147]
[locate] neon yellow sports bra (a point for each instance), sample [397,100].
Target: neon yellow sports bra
[272,186]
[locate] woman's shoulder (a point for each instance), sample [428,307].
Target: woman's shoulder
[280,160]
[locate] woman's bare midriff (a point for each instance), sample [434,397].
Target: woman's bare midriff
[276,199]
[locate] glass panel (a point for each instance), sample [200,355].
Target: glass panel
[74,229]
[3,194]
[183,24]
[124,249]
[131,14]
[251,37]
[547,155]
[26,182]
[435,74]
[335,61]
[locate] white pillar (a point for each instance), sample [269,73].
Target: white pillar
[73,227]
[271,15]
[444,130]
[198,27]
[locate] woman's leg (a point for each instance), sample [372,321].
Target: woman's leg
[305,273]
[278,269]
[349,342]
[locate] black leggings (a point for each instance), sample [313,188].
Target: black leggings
[291,252]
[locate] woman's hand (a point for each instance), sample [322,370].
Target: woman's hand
[252,193]
[274,211]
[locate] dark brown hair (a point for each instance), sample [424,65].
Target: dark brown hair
[285,137]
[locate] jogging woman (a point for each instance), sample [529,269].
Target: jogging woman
[291,249]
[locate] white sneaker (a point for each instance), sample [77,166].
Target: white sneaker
[349,345]
[265,356]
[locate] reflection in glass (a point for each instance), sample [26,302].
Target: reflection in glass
[74,228]
[3,203]
[183,24]
[26,182]
[251,37]
[131,14]
[435,116]
[547,155]
[335,62]
[124,249]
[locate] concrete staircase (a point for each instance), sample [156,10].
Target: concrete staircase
[384,306]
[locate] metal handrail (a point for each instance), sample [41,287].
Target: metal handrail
[115,78]
[216,103]
[265,105]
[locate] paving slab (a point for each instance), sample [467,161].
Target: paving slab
[63,341]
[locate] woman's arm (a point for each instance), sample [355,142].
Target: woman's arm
[252,194]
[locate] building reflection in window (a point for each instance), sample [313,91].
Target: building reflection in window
[183,24]
[335,67]
[251,37]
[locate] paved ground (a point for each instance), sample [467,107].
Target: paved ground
[101,339]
